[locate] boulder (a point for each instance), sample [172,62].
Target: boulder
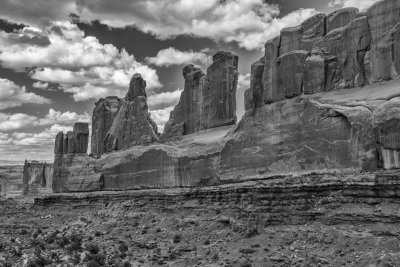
[384,25]
[103,117]
[290,73]
[270,76]
[340,18]
[132,125]
[304,36]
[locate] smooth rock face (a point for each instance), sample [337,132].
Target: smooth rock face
[132,124]
[208,101]
[340,18]
[103,116]
[270,77]
[304,36]
[384,25]
[290,73]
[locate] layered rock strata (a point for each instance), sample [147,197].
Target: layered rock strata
[208,100]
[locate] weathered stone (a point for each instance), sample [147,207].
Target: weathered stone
[71,142]
[340,18]
[218,106]
[256,83]
[386,121]
[37,177]
[81,137]
[132,125]
[314,74]
[290,73]
[270,77]
[303,36]
[248,99]
[356,41]
[103,116]
[207,101]
[65,144]
[58,146]
[137,87]
[384,25]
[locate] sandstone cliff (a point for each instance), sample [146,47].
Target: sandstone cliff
[208,100]
[324,97]
[37,177]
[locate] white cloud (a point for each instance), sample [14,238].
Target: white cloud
[17,121]
[23,145]
[160,117]
[165,99]
[172,56]
[360,4]
[40,85]
[248,22]
[243,85]
[12,95]
[81,65]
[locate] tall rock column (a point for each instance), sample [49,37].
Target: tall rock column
[218,89]
[103,117]
[207,101]
[132,124]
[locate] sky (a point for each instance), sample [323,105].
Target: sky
[58,57]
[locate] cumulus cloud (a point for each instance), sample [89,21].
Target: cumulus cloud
[171,56]
[248,22]
[17,121]
[360,4]
[40,85]
[80,65]
[243,85]
[27,145]
[163,100]
[12,95]
[160,117]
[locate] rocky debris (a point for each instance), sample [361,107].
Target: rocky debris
[340,18]
[384,26]
[208,101]
[103,117]
[132,124]
[37,177]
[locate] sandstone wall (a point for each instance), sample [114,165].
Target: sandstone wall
[208,100]
[37,177]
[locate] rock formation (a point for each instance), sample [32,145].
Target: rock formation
[313,106]
[132,124]
[103,117]
[37,177]
[207,101]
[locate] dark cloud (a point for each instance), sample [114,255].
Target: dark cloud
[9,26]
